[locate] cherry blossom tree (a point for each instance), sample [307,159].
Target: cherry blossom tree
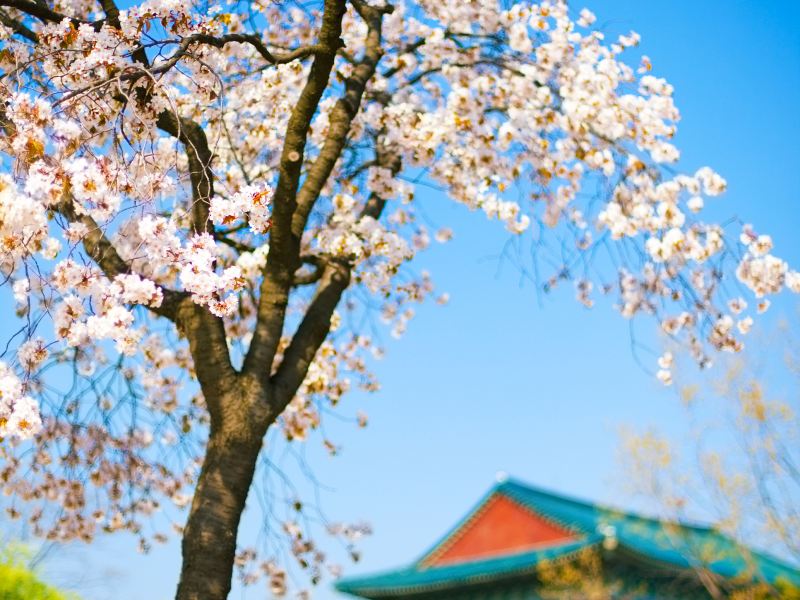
[201,203]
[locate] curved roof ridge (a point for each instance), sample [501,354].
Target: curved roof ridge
[561,497]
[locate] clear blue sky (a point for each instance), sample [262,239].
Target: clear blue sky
[496,381]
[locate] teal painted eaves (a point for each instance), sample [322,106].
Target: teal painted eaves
[415,578]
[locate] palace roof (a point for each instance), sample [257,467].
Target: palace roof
[515,527]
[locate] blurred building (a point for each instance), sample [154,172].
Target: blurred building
[521,542]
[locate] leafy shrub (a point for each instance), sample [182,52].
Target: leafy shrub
[18,582]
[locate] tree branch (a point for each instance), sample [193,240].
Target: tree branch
[100,249]
[258,44]
[308,277]
[283,257]
[335,277]
[313,330]
[183,50]
[195,143]
[341,118]
[43,13]
[18,27]
[205,331]
[316,323]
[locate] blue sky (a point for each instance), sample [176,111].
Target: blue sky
[499,381]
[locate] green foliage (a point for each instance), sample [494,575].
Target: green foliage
[18,582]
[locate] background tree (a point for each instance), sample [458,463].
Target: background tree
[583,576]
[192,190]
[742,470]
[587,576]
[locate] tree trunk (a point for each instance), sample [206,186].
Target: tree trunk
[209,540]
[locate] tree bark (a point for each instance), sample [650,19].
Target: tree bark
[209,539]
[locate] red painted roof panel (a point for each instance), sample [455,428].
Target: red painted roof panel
[501,527]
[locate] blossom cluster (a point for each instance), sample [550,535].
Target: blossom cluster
[82,285]
[762,272]
[329,377]
[19,412]
[195,261]
[253,202]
